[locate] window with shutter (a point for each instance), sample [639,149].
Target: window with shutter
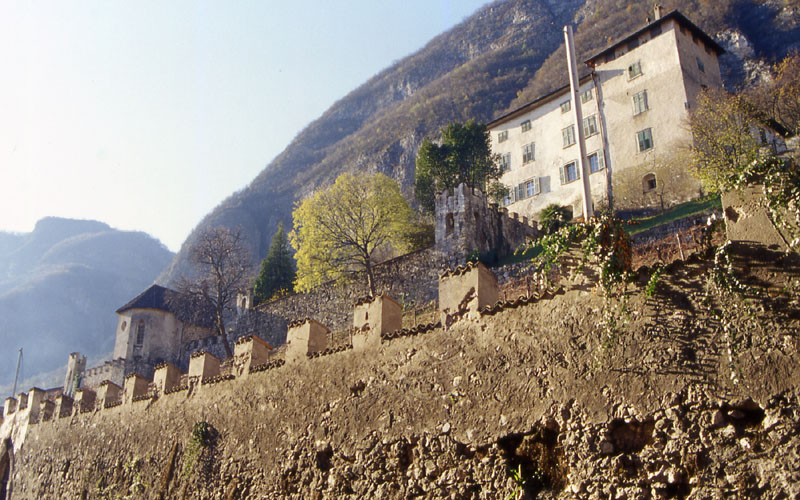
[589,126]
[634,70]
[568,135]
[505,162]
[640,102]
[595,162]
[570,172]
[528,153]
[644,138]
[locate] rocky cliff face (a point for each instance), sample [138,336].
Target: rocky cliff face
[59,287]
[670,407]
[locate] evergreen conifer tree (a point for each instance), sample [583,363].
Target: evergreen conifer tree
[277,269]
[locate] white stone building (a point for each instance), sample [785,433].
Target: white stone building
[635,101]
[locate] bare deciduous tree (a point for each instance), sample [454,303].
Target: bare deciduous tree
[223,262]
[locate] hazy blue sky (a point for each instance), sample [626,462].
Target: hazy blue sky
[147,114]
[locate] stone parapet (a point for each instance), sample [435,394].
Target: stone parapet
[108,394]
[84,400]
[135,386]
[63,406]
[305,337]
[375,317]
[465,290]
[166,377]
[46,410]
[248,352]
[203,365]
[9,407]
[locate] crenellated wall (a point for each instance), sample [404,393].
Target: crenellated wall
[435,413]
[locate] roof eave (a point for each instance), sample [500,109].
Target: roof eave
[677,16]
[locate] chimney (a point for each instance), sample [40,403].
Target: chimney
[657,12]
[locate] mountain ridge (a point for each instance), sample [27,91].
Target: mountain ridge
[59,287]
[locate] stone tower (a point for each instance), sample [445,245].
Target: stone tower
[75,368]
[467,225]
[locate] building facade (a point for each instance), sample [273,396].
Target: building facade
[635,101]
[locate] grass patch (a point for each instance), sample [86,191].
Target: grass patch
[529,254]
[675,213]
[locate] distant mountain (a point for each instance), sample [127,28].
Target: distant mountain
[506,54]
[59,287]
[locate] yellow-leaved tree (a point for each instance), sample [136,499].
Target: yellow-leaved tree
[724,127]
[340,230]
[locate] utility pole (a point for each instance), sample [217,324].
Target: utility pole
[588,210]
[16,375]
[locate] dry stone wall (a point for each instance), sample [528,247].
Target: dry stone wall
[528,385]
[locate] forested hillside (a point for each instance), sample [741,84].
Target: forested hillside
[59,287]
[506,54]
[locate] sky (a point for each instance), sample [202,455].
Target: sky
[146,114]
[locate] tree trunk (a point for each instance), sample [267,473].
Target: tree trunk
[222,334]
[370,279]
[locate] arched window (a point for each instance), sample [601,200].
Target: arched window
[140,333]
[649,183]
[449,223]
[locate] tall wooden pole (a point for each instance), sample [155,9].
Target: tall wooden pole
[588,210]
[16,375]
